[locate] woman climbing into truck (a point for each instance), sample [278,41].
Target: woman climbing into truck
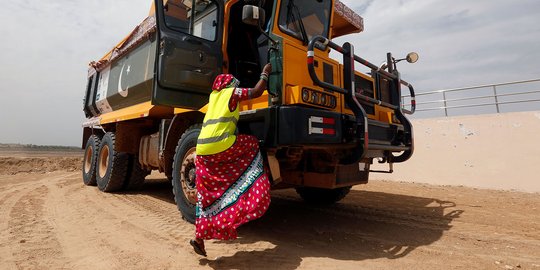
[232,184]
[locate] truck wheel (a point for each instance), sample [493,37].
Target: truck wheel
[183,182]
[111,165]
[322,196]
[136,174]
[89,161]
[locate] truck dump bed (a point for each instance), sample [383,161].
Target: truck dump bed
[124,76]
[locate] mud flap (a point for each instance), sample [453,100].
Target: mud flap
[275,175]
[356,173]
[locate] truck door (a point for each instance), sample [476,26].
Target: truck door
[189,51]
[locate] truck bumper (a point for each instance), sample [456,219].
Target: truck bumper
[279,126]
[292,126]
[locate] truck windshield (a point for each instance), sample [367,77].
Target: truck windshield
[305,17]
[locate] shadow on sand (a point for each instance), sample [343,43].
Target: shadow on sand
[365,225]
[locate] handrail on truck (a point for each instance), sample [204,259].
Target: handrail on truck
[347,53]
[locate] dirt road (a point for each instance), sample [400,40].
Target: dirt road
[52,221]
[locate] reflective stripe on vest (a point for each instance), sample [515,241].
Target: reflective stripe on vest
[212,139]
[219,125]
[220,120]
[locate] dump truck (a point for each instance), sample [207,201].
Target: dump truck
[321,123]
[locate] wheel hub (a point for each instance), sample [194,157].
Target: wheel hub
[88,159]
[103,161]
[188,176]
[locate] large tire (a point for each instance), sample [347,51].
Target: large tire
[112,166]
[183,182]
[136,174]
[89,160]
[322,196]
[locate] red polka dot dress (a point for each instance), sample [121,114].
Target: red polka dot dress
[232,189]
[232,186]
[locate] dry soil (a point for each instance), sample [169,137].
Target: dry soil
[50,220]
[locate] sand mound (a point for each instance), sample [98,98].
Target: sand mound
[15,165]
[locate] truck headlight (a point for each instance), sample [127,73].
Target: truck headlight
[314,98]
[305,95]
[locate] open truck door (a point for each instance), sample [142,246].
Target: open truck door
[189,51]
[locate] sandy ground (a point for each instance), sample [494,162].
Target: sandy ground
[52,221]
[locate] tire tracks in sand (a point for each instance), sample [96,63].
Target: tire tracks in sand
[112,228]
[29,229]
[53,221]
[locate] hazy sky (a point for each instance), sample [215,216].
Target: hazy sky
[46,46]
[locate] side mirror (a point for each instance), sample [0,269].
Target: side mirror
[412,57]
[253,15]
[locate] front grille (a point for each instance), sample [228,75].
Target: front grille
[328,73]
[384,89]
[365,87]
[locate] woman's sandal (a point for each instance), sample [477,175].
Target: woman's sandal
[197,247]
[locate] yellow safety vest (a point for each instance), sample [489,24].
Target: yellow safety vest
[219,125]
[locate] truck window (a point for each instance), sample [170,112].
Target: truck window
[313,16]
[197,18]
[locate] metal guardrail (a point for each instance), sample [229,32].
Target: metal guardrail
[495,97]
[348,59]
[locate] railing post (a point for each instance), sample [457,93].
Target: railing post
[445,106]
[496,98]
[348,74]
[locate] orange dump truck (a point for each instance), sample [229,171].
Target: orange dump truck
[321,123]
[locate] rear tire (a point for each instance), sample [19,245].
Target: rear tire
[322,196]
[111,166]
[136,174]
[89,161]
[183,182]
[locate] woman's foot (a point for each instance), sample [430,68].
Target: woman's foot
[198,246]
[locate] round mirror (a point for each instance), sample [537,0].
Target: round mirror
[412,57]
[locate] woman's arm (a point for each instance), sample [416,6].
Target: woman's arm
[261,85]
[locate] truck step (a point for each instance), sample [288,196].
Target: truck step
[383,133]
[386,147]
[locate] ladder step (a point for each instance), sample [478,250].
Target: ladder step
[385,147]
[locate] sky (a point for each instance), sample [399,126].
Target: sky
[46,46]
